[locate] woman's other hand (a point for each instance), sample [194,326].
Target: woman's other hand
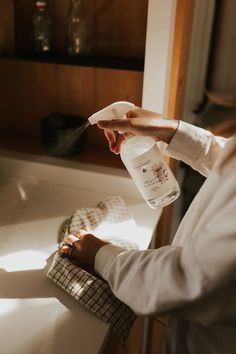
[81,249]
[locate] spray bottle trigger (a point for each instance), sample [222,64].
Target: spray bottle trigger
[115,110]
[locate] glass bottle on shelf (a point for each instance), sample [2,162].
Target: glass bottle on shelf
[77,29]
[42,27]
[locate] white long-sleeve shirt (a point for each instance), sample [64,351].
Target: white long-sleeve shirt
[194,279]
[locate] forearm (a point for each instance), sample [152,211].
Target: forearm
[150,282]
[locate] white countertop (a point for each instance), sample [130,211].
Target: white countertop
[37,317]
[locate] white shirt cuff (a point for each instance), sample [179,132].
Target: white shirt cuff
[187,143]
[105,257]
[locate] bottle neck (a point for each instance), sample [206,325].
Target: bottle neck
[134,146]
[41,5]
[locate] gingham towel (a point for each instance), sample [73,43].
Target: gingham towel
[112,220]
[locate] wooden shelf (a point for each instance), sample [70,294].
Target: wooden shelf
[91,154]
[98,61]
[32,85]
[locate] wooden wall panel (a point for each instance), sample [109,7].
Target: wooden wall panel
[7,35]
[180,56]
[23,24]
[114,28]
[120,28]
[29,91]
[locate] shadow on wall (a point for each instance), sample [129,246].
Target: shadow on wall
[217,116]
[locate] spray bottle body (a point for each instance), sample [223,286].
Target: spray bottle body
[148,169]
[143,160]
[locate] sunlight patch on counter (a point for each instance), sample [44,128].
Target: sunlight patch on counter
[23,260]
[7,306]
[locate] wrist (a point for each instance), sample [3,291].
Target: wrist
[164,130]
[172,129]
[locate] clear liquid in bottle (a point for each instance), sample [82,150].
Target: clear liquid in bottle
[151,174]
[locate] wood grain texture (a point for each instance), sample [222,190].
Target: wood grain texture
[30,91]
[113,27]
[180,57]
[7,34]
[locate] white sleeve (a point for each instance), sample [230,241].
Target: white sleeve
[151,281]
[195,146]
[171,278]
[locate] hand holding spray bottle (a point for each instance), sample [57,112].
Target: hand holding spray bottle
[143,160]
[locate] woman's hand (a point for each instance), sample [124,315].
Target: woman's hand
[81,249]
[138,121]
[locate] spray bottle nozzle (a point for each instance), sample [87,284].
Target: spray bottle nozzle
[115,110]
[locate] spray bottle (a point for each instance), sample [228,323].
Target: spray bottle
[143,160]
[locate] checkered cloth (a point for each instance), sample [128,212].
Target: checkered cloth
[112,220]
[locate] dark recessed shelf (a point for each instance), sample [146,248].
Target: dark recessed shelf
[31,145]
[122,63]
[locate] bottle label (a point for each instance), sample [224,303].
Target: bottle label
[150,173]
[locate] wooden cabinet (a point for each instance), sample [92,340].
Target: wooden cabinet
[33,86]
